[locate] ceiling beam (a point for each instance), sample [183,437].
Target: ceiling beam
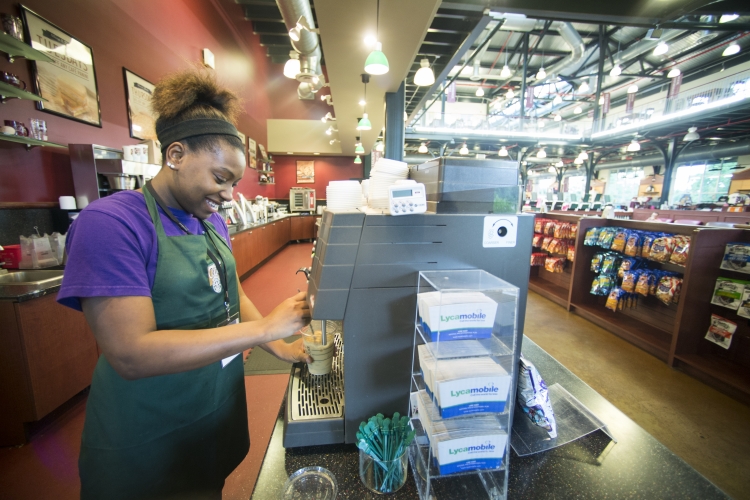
[262,13]
[451,25]
[262,27]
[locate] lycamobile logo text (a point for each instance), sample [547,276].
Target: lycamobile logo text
[475,316]
[476,390]
[482,447]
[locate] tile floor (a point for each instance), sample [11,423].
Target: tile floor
[707,429]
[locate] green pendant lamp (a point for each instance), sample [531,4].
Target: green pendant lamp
[357,160]
[377,63]
[358,149]
[364,122]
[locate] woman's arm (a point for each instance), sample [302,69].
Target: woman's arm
[293,353]
[125,329]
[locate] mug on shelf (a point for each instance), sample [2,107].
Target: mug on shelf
[13,26]
[12,79]
[19,127]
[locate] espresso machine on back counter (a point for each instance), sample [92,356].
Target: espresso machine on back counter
[364,281]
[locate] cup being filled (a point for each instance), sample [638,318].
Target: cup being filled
[322,355]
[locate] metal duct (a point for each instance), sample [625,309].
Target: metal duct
[578,49]
[308,44]
[642,47]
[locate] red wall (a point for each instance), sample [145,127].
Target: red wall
[285,105]
[327,169]
[150,38]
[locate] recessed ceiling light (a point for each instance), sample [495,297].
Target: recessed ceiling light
[316,153]
[289,153]
[731,50]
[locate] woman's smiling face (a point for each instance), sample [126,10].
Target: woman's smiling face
[204,179]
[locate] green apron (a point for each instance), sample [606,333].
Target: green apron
[172,436]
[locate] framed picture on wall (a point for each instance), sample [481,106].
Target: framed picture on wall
[305,172]
[252,149]
[68,83]
[141,119]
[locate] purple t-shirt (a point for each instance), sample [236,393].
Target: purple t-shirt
[112,248]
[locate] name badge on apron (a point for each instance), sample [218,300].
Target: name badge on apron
[228,359]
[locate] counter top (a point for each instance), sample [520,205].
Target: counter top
[20,293]
[240,228]
[636,467]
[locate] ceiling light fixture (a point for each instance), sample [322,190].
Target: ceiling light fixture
[558,117]
[331,130]
[302,25]
[551,170]
[376,63]
[333,141]
[424,75]
[505,72]
[464,150]
[634,146]
[541,153]
[731,50]
[357,160]
[292,67]
[578,110]
[362,102]
[364,123]
[328,117]
[674,73]
[661,49]
[578,161]
[725,18]
[615,71]
[633,89]
[358,148]
[510,94]
[584,88]
[692,135]
[380,147]
[557,100]
[541,74]
[479,92]
[370,40]
[584,155]
[422,148]
[503,151]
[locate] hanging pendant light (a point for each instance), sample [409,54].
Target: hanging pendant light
[292,66]
[357,160]
[551,170]
[479,92]
[615,71]
[380,147]
[541,153]
[424,75]
[557,100]
[578,161]
[358,149]
[541,74]
[692,135]
[422,148]
[578,110]
[503,151]
[505,72]
[584,155]
[633,89]
[731,50]
[364,123]
[377,63]
[558,117]
[634,146]
[584,87]
[510,94]
[661,49]
[464,150]
[673,73]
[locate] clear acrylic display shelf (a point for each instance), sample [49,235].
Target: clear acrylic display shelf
[465,335]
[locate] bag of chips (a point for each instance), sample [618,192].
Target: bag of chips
[610,263]
[629,280]
[536,242]
[681,248]
[619,240]
[533,398]
[596,262]
[668,290]
[627,264]
[606,235]
[538,258]
[554,264]
[546,241]
[633,244]
[549,227]
[647,240]
[571,254]
[573,231]
[592,237]
[602,284]
[539,225]
[613,299]
[662,248]
[643,284]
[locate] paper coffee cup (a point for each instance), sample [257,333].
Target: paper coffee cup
[322,355]
[127,153]
[67,202]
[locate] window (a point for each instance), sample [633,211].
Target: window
[622,185]
[575,184]
[541,185]
[702,181]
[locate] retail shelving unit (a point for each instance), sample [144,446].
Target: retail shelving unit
[449,454]
[553,286]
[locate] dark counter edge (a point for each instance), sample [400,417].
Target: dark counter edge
[241,228]
[547,469]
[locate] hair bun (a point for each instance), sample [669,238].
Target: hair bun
[194,93]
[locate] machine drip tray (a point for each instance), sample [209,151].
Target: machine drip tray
[314,412]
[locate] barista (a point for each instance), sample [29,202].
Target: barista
[154,275]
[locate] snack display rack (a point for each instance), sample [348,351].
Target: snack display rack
[463,386]
[674,333]
[553,286]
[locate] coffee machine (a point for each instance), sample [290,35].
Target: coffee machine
[364,282]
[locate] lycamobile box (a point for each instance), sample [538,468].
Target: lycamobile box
[471,453]
[473,395]
[456,316]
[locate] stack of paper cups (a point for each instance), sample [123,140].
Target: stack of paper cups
[67,203]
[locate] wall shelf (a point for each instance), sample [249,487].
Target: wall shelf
[29,142]
[8,91]
[17,48]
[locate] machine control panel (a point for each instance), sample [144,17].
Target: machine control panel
[405,199]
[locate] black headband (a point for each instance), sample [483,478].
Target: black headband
[194,128]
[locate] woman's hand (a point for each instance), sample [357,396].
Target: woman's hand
[288,317]
[291,353]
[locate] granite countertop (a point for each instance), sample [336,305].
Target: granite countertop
[636,467]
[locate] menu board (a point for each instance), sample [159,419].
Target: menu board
[68,83]
[138,92]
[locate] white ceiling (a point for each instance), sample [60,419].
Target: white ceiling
[343,26]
